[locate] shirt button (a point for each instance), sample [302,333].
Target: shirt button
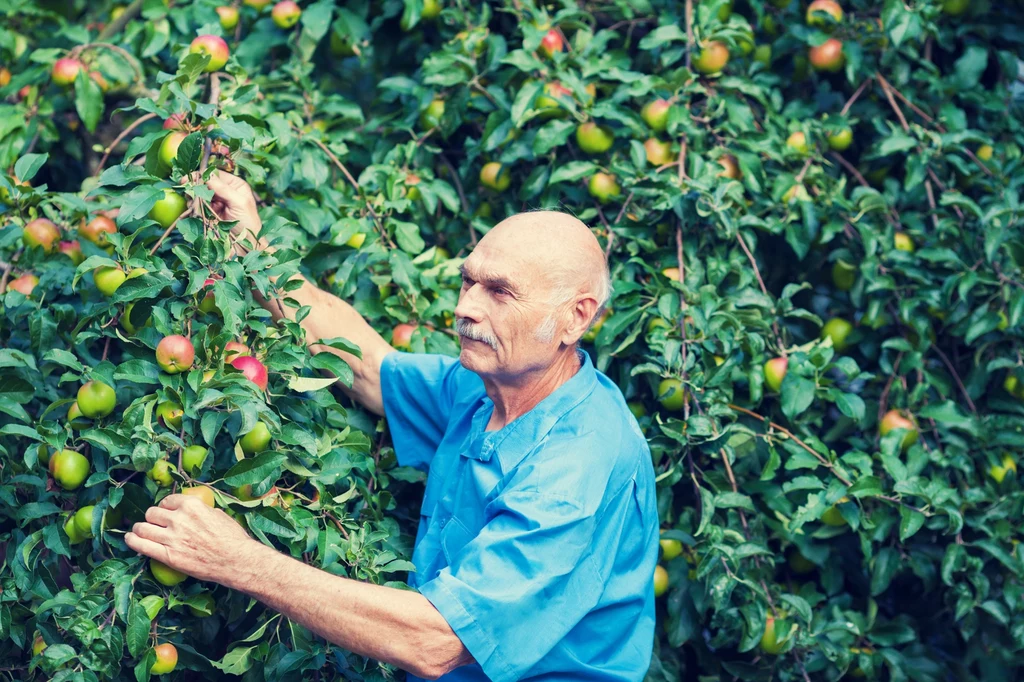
[444,522]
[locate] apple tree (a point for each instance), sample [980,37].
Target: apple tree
[811,213]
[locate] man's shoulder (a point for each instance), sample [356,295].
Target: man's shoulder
[592,451]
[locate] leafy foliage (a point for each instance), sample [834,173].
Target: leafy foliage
[364,130]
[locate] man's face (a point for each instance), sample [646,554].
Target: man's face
[505,298]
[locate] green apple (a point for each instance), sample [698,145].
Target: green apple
[166,210]
[96,399]
[108,278]
[257,440]
[192,458]
[160,473]
[838,330]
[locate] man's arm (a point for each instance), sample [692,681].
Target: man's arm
[384,623]
[329,316]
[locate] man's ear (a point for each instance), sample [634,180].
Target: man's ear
[582,314]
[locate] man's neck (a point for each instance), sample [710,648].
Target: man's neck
[512,401]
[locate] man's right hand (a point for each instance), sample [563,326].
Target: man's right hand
[233,200]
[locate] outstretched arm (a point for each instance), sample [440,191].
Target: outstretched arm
[329,316]
[384,623]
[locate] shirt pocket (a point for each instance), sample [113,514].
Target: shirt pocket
[454,536]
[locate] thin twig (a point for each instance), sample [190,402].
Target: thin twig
[117,140]
[115,27]
[462,197]
[689,31]
[764,289]
[7,271]
[796,440]
[854,96]
[956,376]
[352,181]
[892,102]
[681,264]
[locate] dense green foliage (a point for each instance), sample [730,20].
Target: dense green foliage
[365,131]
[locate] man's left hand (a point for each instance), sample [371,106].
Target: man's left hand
[193,538]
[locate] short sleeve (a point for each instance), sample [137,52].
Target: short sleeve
[419,390]
[517,589]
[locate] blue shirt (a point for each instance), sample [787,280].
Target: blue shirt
[537,542]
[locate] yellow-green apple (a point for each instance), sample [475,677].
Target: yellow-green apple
[164,574]
[713,57]
[160,473]
[798,143]
[96,399]
[671,394]
[661,581]
[228,17]
[837,329]
[69,469]
[167,209]
[655,114]
[658,153]
[593,138]
[775,372]
[192,458]
[203,492]
[170,414]
[286,14]
[603,187]
[900,419]
[495,176]
[257,440]
[108,278]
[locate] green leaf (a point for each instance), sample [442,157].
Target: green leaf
[137,203]
[254,470]
[27,166]
[910,522]
[797,394]
[408,237]
[190,152]
[137,630]
[574,170]
[88,100]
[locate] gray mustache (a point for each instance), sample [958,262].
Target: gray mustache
[465,328]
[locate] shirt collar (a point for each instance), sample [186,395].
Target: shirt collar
[513,442]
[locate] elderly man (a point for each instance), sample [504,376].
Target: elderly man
[538,533]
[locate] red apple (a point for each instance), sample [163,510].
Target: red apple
[830,7]
[72,250]
[175,354]
[828,56]
[175,122]
[253,369]
[25,284]
[286,14]
[97,229]
[551,43]
[42,233]
[215,48]
[65,71]
[401,336]
[234,349]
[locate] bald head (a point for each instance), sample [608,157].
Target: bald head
[555,249]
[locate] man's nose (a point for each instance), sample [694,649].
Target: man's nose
[469,304]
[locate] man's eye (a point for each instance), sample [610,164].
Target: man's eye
[501,292]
